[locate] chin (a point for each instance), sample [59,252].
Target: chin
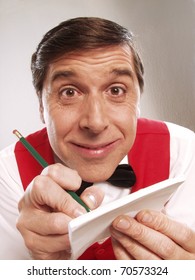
[96,174]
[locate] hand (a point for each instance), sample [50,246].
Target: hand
[152,235]
[46,209]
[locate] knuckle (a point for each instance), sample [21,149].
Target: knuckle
[41,255]
[168,249]
[20,204]
[28,240]
[37,190]
[159,223]
[187,234]
[30,243]
[130,246]
[38,185]
[53,170]
[65,204]
[139,232]
[18,224]
[55,224]
[63,175]
[38,182]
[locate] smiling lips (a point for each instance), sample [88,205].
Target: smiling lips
[92,151]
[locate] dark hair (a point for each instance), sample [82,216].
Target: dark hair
[80,34]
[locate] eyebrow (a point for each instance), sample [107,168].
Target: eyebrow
[122,72]
[62,74]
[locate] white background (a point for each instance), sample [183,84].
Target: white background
[165,31]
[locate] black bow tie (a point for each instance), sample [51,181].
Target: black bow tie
[123,177]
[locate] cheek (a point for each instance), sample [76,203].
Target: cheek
[127,114]
[129,129]
[127,123]
[60,123]
[57,119]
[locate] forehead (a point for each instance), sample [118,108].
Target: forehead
[101,60]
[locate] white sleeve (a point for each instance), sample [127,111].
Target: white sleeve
[181,206]
[12,245]
[182,149]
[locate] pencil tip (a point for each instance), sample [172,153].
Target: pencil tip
[17,133]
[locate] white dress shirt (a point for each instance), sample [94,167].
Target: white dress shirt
[181,207]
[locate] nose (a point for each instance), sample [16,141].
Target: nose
[94,116]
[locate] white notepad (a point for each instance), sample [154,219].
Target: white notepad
[94,226]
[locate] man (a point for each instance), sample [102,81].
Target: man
[88,78]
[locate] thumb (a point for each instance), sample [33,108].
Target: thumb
[92,197]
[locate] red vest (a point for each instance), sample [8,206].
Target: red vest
[149,158]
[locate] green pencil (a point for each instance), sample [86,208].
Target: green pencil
[44,164]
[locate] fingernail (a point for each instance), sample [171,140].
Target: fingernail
[147,218]
[123,224]
[78,212]
[90,201]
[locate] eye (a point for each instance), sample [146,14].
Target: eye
[69,92]
[116,92]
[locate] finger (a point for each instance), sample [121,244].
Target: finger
[155,241]
[119,251]
[46,244]
[44,191]
[178,232]
[43,223]
[92,197]
[60,255]
[131,247]
[67,178]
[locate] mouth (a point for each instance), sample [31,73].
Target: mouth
[95,150]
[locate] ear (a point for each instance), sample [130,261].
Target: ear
[138,111]
[41,110]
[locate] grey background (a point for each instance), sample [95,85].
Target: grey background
[165,36]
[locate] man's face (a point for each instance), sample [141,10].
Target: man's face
[89,104]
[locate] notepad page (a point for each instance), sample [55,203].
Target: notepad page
[94,226]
